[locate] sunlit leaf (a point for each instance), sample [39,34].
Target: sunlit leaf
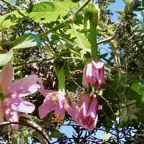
[46,12]
[26,41]
[11,19]
[79,39]
[5,57]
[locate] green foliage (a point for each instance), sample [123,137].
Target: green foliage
[5,58]
[128,111]
[11,19]
[55,133]
[26,41]
[46,12]
[79,39]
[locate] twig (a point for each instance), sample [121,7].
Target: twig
[28,123]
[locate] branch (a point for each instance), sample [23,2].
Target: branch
[105,40]
[28,123]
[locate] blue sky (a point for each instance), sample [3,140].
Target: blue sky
[118,5]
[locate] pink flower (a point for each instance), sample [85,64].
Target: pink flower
[11,95]
[94,74]
[85,113]
[53,101]
[88,111]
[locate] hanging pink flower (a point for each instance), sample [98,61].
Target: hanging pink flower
[88,111]
[93,74]
[85,113]
[54,100]
[12,93]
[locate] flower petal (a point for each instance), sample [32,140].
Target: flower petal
[45,108]
[6,77]
[12,116]
[18,104]
[92,107]
[24,86]
[47,93]
[21,105]
[73,111]
[98,65]
[59,108]
[92,126]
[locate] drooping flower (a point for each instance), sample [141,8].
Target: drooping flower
[88,111]
[54,100]
[85,113]
[12,93]
[93,74]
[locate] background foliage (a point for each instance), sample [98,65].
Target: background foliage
[38,35]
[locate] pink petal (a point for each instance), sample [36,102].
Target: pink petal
[21,105]
[24,86]
[93,106]
[85,83]
[89,70]
[72,109]
[47,93]
[92,126]
[84,104]
[101,76]
[59,109]
[12,116]
[45,108]
[98,65]
[18,104]
[6,77]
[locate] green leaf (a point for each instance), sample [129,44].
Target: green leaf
[80,39]
[46,12]
[137,86]
[5,58]
[26,41]
[10,19]
[55,133]
[129,110]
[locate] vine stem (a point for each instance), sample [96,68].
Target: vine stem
[93,41]
[28,123]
